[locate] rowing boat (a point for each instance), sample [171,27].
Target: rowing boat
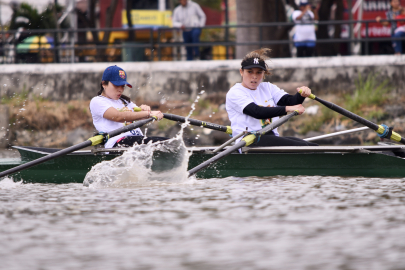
[383,161]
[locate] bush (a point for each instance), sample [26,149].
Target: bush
[369,92]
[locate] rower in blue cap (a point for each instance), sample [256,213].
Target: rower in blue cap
[111,109]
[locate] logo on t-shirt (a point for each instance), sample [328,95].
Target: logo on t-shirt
[265,122]
[135,132]
[122,74]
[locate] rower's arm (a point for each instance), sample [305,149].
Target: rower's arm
[127,116]
[258,112]
[291,100]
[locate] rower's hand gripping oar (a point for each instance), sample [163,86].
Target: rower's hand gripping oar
[90,142]
[382,130]
[246,141]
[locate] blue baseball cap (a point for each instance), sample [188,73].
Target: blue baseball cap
[116,76]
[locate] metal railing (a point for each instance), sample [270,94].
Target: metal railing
[157,44]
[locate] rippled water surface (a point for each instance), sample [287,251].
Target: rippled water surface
[230,223]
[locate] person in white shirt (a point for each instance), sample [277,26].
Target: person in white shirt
[254,104]
[111,110]
[304,37]
[190,18]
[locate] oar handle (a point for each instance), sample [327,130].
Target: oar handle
[194,122]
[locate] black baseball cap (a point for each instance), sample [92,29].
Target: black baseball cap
[254,62]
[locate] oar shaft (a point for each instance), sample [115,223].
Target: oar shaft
[348,114]
[229,142]
[130,127]
[277,123]
[46,158]
[199,123]
[215,158]
[377,128]
[335,134]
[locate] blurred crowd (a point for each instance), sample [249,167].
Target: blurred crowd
[188,16]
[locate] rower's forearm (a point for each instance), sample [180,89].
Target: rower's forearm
[130,116]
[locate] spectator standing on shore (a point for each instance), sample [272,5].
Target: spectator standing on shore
[189,17]
[392,15]
[304,37]
[399,32]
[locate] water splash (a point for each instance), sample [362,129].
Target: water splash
[8,183]
[157,163]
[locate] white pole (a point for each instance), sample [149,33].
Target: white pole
[336,134]
[162,5]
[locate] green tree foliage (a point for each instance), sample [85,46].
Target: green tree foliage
[28,17]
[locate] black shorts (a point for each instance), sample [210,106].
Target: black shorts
[131,140]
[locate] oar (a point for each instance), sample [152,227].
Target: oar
[335,134]
[382,130]
[92,141]
[194,122]
[246,141]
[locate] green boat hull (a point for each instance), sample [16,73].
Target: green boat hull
[73,168]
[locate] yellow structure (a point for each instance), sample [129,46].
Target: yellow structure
[148,18]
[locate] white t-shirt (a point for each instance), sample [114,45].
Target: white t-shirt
[238,97]
[98,106]
[304,32]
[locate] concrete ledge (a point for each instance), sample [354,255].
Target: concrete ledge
[182,80]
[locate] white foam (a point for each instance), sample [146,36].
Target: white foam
[8,183]
[160,163]
[135,166]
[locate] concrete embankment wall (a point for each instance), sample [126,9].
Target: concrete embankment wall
[154,81]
